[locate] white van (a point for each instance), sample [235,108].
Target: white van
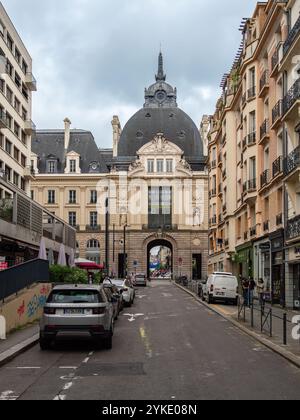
[221,287]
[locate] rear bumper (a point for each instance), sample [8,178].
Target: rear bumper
[52,331]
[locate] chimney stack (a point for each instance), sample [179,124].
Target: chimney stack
[67,132]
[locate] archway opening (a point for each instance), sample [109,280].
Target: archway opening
[160,260]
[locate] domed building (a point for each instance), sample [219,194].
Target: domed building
[153,179]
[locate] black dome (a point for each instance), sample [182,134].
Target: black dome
[175,124]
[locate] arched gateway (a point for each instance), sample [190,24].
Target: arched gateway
[160,259]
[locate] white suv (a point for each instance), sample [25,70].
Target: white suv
[220,287]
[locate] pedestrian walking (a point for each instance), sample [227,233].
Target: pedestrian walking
[252,286]
[245,286]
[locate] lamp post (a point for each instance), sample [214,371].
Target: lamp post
[124,252]
[107,219]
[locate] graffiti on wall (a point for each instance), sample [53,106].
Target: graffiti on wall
[36,303]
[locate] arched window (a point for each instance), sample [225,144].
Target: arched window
[93,244]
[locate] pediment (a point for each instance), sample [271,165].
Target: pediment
[160,145]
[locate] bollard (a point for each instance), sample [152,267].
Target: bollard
[2,328]
[252,314]
[285,329]
[271,322]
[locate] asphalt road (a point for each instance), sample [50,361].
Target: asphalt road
[166,347]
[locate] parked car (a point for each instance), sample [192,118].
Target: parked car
[141,280]
[77,310]
[111,290]
[220,287]
[126,288]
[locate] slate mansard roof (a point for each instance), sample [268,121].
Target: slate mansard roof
[50,144]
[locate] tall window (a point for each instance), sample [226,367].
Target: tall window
[169,166]
[150,166]
[51,197]
[93,219]
[94,197]
[72,197]
[73,166]
[160,166]
[72,218]
[160,207]
[51,166]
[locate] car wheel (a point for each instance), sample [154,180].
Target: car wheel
[45,344]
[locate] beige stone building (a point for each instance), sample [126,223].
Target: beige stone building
[247,154]
[16,86]
[155,182]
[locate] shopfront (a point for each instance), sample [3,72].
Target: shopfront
[243,261]
[293,277]
[262,264]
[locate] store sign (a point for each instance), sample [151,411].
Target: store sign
[3,266]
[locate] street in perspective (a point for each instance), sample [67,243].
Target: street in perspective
[150,257]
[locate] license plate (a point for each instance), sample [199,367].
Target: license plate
[74,311]
[220,294]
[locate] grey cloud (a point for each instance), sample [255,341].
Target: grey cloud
[93,58]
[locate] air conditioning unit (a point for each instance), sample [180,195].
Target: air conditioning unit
[297,304]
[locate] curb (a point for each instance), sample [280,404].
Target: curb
[290,357]
[13,352]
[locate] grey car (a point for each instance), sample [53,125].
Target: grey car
[76,311]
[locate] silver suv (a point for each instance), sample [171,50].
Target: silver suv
[75,311]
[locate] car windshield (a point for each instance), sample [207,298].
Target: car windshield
[74,296]
[118,283]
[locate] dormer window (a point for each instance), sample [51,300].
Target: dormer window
[51,166]
[73,166]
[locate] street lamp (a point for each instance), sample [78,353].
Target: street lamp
[124,252]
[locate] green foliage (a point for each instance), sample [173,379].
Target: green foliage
[60,274]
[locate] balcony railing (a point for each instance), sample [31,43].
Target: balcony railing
[31,82]
[252,138]
[264,81]
[252,185]
[251,92]
[244,143]
[291,37]
[277,166]
[277,111]
[275,59]
[93,228]
[293,228]
[279,219]
[292,97]
[264,129]
[292,162]
[265,178]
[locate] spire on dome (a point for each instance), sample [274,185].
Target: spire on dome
[160,77]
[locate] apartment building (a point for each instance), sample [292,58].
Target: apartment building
[16,86]
[289,68]
[252,140]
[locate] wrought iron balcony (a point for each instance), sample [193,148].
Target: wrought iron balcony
[277,112]
[93,228]
[294,33]
[275,59]
[277,166]
[251,93]
[265,178]
[244,143]
[292,162]
[264,81]
[293,228]
[252,185]
[292,97]
[264,129]
[251,138]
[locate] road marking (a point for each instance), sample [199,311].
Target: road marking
[60,398]
[146,342]
[68,367]
[8,396]
[68,386]
[86,360]
[132,317]
[25,367]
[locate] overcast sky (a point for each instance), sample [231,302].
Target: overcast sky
[93,58]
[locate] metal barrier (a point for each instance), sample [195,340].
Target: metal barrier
[19,277]
[267,316]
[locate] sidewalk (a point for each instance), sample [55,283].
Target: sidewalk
[291,351]
[17,342]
